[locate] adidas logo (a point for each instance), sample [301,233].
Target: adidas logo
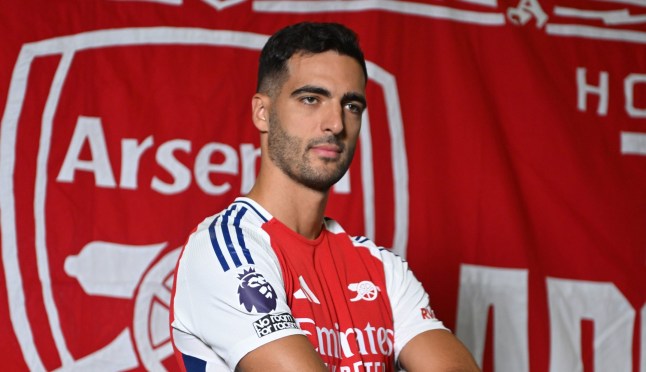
[305,292]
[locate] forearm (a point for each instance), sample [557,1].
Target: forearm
[436,350]
[291,353]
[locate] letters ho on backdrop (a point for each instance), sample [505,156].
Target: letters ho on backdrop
[503,153]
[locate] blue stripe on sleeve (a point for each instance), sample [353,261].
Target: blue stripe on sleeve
[254,209]
[241,241]
[360,239]
[227,237]
[193,364]
[216,245]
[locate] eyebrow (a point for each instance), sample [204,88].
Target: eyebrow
[348,97]
[311,89]
[352,96]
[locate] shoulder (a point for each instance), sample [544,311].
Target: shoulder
[240,213]
[385,255]
[234,236]
[241,219]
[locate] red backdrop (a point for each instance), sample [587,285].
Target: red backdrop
[503,153]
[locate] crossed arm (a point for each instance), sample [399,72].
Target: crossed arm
[436,350]
[432,351]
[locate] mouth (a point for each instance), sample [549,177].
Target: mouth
[327,150]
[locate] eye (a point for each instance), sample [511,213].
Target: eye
[309,100]
[354,108]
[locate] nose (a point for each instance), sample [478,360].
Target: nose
[333,121]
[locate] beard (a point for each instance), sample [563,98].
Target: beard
[285,151]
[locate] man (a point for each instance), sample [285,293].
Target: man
[269,283]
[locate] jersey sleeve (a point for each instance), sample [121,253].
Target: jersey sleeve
[229,294]
[410,304]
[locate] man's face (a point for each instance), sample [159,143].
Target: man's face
[315,119]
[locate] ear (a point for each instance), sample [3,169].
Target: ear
[260,111]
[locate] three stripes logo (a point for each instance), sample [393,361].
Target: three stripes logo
[305,292]
[228,241]
[227,238]
[360,239]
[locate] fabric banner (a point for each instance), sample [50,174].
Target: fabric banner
[503,154]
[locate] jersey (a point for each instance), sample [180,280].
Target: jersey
[244,279]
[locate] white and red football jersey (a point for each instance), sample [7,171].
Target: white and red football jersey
[244,279]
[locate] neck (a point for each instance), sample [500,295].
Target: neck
[298,207]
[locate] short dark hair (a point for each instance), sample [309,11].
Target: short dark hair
[305,38]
